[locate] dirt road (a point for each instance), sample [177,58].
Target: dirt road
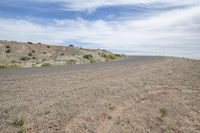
[134,95]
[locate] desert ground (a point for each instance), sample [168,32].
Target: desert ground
[139,94]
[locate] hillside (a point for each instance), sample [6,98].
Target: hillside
[30,54]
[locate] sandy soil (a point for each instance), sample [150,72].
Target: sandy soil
[134,95]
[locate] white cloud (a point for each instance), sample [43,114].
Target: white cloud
[91,5]
[173,29]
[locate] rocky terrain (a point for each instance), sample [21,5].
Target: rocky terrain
[130,95]
[17,54]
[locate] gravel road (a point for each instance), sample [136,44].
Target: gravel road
[139,94]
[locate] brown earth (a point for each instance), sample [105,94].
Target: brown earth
[133,95]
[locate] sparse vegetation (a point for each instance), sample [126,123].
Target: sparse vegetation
[30,54]
[8,51]
[27,55]
[46,64]
[12,65]
[19,121]
[163,112]
[70,61]
[25,58]
[112,106]
[7,46]
[22,129]
[120,55]
[16,61]
[113,56]
[29,42]
[109,56]
[90,58]
[2,66]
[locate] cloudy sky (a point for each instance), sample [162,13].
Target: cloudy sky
[137,27]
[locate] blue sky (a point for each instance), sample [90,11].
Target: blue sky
[147,27]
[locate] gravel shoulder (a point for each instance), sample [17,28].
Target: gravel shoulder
[138,94]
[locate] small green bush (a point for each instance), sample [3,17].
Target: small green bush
[29,42]
[163,112]
[120,55]
[7,46]
[8,51]
[113,56]
[19,121]
[30,54]
[16,61]
[112,106]
[109,56]
[2,66]
[88,56]
[46,64]
[22,129]
[25,58]
[70,61]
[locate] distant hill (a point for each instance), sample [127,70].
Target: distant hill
[30,54]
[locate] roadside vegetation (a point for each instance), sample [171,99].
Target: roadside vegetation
[90,58]
[70,61]
[113,56]
[11,65]
[46,65]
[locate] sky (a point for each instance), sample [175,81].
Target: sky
[134,27]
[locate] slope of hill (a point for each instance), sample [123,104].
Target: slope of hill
[30,54]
